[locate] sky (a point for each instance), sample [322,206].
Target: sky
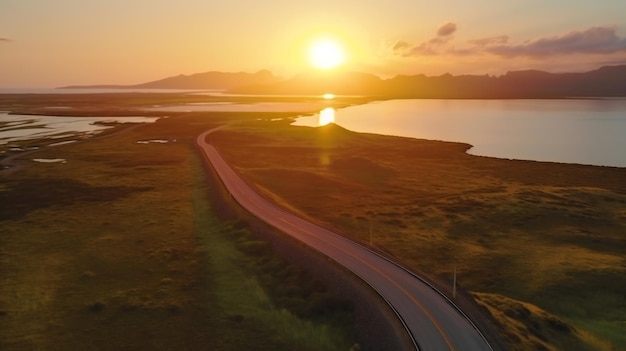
[50,43]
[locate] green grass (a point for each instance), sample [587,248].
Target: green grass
[242,266]
[119,248]
[605,330]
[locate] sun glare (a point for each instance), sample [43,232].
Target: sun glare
[327,116]
[326,53]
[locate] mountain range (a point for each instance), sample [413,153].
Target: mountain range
[607,81]
[202,81]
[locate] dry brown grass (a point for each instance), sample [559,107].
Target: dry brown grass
[546,233]
[528,327]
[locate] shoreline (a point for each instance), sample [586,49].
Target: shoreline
[558,131]
[121,108]
[427,203]
[15,162]
[430,202]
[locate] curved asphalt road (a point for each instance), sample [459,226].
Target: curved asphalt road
[432,321]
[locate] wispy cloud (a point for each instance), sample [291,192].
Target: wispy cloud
[430,47]
[400,45]
[5,40]
[499,40]
[595,40]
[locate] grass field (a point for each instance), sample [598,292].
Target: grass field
[540,244]
[119,248]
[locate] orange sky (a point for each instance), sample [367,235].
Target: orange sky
[66,42]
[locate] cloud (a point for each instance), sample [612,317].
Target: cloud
[429,47]
[596,40]
[499,40]
[446,30]
[400,45]
[4,40]
[592,41]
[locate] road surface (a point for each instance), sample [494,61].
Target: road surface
[432,321]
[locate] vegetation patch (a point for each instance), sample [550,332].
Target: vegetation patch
[546,234]
[26,195]
[362,170]
[120,249]
[531,328]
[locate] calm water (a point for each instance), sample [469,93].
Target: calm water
[100,91]
[571,131]
[24,127]
[237,107]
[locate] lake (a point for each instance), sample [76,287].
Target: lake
[239,107]
[15,127]
[103,91]
[584,131]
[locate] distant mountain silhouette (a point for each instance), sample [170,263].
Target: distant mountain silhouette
[320,83]
[207,80]
[607,81]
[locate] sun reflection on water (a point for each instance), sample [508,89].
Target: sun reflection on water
[327,116]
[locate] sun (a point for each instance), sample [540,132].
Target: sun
[326,53]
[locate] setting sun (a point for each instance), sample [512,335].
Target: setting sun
[326,53]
